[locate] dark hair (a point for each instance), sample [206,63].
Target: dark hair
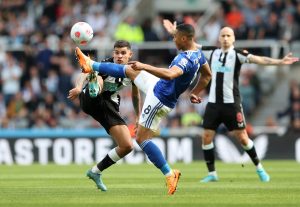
[122,43]
[186,29]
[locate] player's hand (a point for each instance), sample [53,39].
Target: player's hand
[195,99]
[136,65]
[73,93]
[171,28]
[289,59]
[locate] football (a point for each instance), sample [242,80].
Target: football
[81,33]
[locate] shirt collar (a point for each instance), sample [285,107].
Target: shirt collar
[231,48]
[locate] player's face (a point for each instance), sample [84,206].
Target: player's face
[179,40]
[122,55]
[226,38]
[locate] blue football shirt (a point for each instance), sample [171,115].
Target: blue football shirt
[168,91]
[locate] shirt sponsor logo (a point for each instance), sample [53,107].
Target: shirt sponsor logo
[183,62]
[217,67]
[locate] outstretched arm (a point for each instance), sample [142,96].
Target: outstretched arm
[262,60]
[163,73]
[74,92]
[201,84]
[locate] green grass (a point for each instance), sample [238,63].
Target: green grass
[143,185]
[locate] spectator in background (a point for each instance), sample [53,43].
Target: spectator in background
[66,76]
[289,30]
[39,123]
[159,29]
[249,71]
[44,25]
[50,10]
[130,31]
[15,37]
[234,18]
[149,33]
[290,6]
[211,30]
[277,6]
[51,82]
[115,16]
[272,27]
[247,93]
[98,19]
[43,57]
[250,10]
[226,5]
[297,14]
[2,107]
[295,116]
[35,80]
[257,31]
[15,105]
[27,92]
[191,117]
[10,77]
[174,120]
[293,109]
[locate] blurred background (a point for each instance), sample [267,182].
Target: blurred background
[37,63]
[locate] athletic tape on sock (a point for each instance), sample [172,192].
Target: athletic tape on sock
[249,145]
[114,155]
[208,146]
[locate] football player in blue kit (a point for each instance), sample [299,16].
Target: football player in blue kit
[162,87]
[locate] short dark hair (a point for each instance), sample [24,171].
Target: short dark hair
[122,43]
[186,29]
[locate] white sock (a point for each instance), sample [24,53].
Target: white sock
[114,155]
[169,173]
[249,145]
[95,169]
[259,166]
[213,173]
[208,146]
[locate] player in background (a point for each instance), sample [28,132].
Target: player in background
[224,103]
[102,101]
[162,87]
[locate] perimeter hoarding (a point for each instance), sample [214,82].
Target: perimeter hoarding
[25,147]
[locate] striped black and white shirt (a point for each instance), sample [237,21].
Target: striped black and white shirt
[225,66]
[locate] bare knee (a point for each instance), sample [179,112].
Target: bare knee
[143,134]
[242,136]
[127,148]
[207,137]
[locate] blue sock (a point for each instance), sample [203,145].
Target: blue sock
[155,156]
[112,69]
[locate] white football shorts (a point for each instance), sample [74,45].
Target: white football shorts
[153,110]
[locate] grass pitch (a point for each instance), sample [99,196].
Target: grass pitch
[144,185]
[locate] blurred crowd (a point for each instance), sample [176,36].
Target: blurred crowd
[37,65]
[292,111]
[256,19]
